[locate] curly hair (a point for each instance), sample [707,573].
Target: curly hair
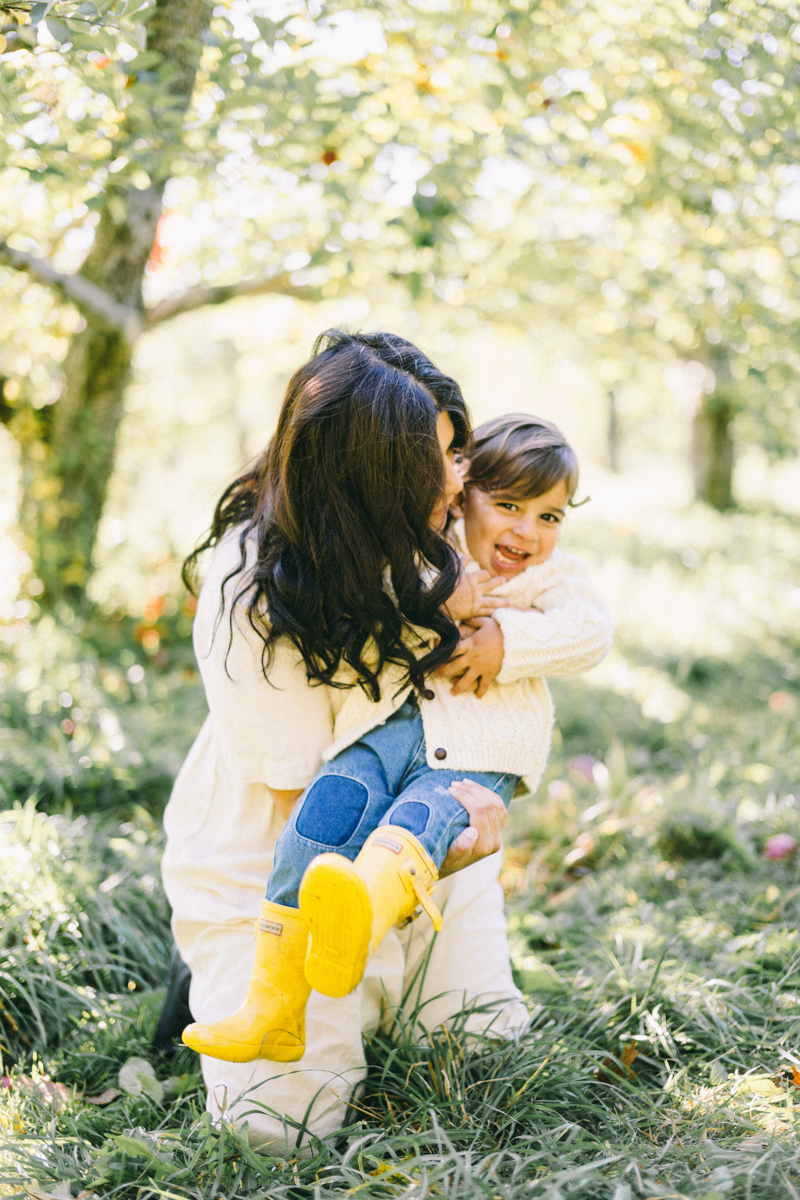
[339,506]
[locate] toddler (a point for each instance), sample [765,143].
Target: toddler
[363,846]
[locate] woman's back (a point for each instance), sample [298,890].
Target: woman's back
[258,735]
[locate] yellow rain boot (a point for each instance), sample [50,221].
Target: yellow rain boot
[349,906]
[271,1022]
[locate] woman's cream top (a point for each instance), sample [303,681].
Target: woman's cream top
[220,823]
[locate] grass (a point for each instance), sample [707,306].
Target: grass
[657,948]
[88,719]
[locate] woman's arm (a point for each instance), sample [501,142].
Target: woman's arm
[285,801]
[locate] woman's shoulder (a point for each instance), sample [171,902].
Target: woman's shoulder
[231,560]
[226,579]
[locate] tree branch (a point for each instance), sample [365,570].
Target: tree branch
[94,300]
[6,411]
[86,295]
[202,294]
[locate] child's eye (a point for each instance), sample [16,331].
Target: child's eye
[507,505]
[551,518]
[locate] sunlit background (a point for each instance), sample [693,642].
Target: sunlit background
[585,210]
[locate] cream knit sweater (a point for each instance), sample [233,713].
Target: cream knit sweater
[558,626]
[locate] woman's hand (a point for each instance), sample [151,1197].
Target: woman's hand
[285,801]
[487,816]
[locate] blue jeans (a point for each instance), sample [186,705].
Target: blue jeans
[383,779]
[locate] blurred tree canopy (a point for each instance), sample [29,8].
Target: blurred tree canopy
[629,168]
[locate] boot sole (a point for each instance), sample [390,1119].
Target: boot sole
[243,1052]
[335,905]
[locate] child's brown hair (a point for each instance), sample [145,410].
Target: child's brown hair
[521,456]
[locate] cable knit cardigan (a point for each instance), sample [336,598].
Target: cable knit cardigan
[559,625]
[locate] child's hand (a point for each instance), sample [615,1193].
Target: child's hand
[470,599]
[478,658]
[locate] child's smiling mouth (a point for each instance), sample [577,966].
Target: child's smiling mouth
[508,557]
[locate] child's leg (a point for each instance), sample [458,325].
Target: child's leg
[345,802]
[425,807]
[350,905]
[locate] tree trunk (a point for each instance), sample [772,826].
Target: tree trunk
[86,419]
[712,452]
[612,432]
[68,457]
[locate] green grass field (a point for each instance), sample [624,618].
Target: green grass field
[658,949]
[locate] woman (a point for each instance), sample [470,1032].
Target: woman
[336,535]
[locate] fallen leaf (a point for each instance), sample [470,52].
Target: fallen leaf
[627,1056]
[754,1144]
[35,1192]
[759,1085]
[718,1072]
[48,1090]
[104,1097]
[61,1191]
[137,1076]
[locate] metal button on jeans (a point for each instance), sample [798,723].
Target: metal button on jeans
[440,753]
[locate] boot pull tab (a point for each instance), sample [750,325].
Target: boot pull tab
[425,899]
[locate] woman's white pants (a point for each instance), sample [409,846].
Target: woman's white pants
[465,964]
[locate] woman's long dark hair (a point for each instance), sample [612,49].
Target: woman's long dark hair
[345,490]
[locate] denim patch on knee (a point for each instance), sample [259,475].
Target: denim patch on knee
[412,816]
[332,809]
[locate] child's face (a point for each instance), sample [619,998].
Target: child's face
[505,535]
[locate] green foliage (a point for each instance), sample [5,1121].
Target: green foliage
[688,835]
[632,175]
[95,730]
[84,919]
